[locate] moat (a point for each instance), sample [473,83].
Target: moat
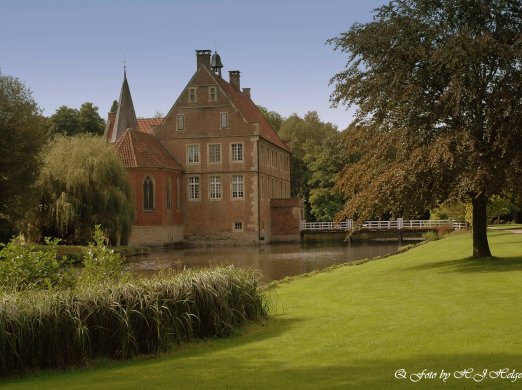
[275,261]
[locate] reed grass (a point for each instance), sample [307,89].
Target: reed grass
[64,328]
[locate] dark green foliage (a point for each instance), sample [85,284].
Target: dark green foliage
[70,121]
[306,135]
[275,119]
[49,329]
[114,107]
[22,130]
[83,183]
[324,162]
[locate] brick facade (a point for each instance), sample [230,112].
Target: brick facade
[229,165]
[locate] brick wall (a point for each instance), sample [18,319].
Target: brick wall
[286,215]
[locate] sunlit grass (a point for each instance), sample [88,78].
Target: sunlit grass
[429,308]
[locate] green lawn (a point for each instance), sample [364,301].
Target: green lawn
[429,308]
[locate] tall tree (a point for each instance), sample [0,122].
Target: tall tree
[70,121]
[22,131]
[324,162]
[275,119]
[65,121]
[305,135]
[438,85]
[83,183]
[89,119]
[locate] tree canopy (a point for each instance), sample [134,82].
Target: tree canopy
[22,130]
[310,138]
[274,118]
[438,86]
[70,121]
[82,184]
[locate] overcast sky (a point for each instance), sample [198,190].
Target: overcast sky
[70,52]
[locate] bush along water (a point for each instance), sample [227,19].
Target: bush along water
[113,314]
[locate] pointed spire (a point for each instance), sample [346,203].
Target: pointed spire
[125,116]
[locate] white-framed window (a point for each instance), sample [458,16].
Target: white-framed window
[193,154]
[223,122]
[148,193]
[193,188]
[237,226]
[237,187]
[212,93]
[192,95]
[214,187]
[180,122]
[237,152]
[214,153]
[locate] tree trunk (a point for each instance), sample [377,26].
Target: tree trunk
[480,224]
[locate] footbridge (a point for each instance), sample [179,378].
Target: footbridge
[398,224]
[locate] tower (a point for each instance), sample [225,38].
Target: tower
[216,64]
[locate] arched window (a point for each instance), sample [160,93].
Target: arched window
[148,194]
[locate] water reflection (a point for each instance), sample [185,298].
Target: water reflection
[274,261]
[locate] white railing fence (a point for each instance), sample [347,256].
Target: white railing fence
[397,224]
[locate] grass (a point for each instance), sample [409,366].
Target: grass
[429,308]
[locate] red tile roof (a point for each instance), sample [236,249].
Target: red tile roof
[141,150]
[146,124]
[252,113]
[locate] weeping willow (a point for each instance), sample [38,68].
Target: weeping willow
[83,183]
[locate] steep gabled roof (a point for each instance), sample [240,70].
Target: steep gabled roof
[251,113]
[141,150]
[125,116]
[145,125]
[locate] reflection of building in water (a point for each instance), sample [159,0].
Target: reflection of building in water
[274,261]
[212,170]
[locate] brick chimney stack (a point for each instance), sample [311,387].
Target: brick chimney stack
[246,91]
[203,58]
[235,79]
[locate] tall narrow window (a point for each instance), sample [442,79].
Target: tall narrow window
[193,187]
[214,153]
[237,152]
[192,97]
[224,120]
[212,94]
[237,186]
[193,154]
[148,194]
[214,184]
[178,195]
[180,123]
[169,195]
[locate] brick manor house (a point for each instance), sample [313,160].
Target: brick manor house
[213,171]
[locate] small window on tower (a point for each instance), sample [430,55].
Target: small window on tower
[180,124]
[238,226]
[212,94]
[224,120]
[192,97]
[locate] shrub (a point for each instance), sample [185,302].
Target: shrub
[100,262]
[430,236]
[24,267]
[63,328]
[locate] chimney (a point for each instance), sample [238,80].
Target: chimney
[234,79]
[203,58]
[246,91]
